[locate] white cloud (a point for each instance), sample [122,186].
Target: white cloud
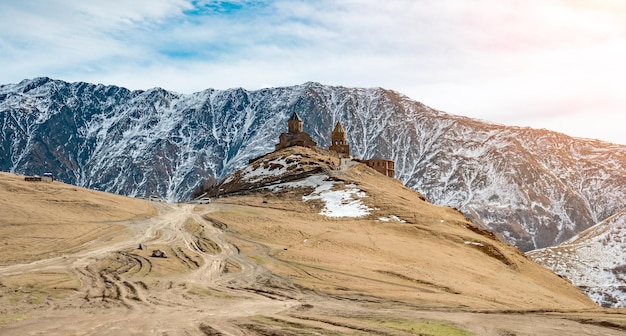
[60,36]
[513,62]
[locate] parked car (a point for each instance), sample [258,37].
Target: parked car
[155,198]
[203,200]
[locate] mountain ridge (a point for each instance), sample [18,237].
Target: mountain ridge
[593,260]
[535,188]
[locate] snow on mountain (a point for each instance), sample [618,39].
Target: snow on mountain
[594,260]
[536,188]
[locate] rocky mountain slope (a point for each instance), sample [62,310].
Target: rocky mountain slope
[534,187]
[300,245]
[593,260]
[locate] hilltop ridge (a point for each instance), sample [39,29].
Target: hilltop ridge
[310,203]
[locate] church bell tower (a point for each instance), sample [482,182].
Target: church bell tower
[295,123]
[339,143]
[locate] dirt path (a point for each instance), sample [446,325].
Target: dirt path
[203,278]
[206,286]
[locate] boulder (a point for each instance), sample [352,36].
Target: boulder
[159,254]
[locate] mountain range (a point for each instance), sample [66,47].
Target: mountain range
[535,188]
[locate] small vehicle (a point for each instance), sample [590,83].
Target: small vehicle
[155,198]
[203,200]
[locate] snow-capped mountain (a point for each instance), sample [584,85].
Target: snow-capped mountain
[594,260]
[536,188]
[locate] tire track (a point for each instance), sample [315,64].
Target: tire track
[201,268]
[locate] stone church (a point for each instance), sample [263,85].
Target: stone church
[295,136]
[339,144]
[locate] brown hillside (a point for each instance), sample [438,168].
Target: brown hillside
[41,219]
[436,257]
[263,260]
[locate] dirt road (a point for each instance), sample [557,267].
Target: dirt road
[202,279]
[207,286]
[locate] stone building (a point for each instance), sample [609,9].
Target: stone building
[295,136]
[339,144]
[383,166]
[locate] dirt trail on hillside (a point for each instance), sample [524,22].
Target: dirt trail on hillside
[206,286]
[203,275]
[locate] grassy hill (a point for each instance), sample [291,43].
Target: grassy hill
[405,248]
[41,220]
[296,244]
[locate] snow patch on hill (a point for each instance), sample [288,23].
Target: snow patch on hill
[338,201]
[390,218]
[274,168]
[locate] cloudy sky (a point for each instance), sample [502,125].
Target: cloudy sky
[555,64]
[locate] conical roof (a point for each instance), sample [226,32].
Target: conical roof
[295,117]
[338,128]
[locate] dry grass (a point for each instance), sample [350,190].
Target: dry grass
[268,264]
[43,220]
[437,258]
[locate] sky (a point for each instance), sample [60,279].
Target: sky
[554,64]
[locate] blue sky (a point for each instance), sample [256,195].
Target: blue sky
[556,64]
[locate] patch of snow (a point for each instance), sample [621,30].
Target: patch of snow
[473,243]
[337,203]
[390,218]
[341,203]
[314,181]
[274,168]
[229,179]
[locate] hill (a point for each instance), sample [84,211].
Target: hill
[534,188]
[44,220]
[593,260]
[399,236]
[299,244]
